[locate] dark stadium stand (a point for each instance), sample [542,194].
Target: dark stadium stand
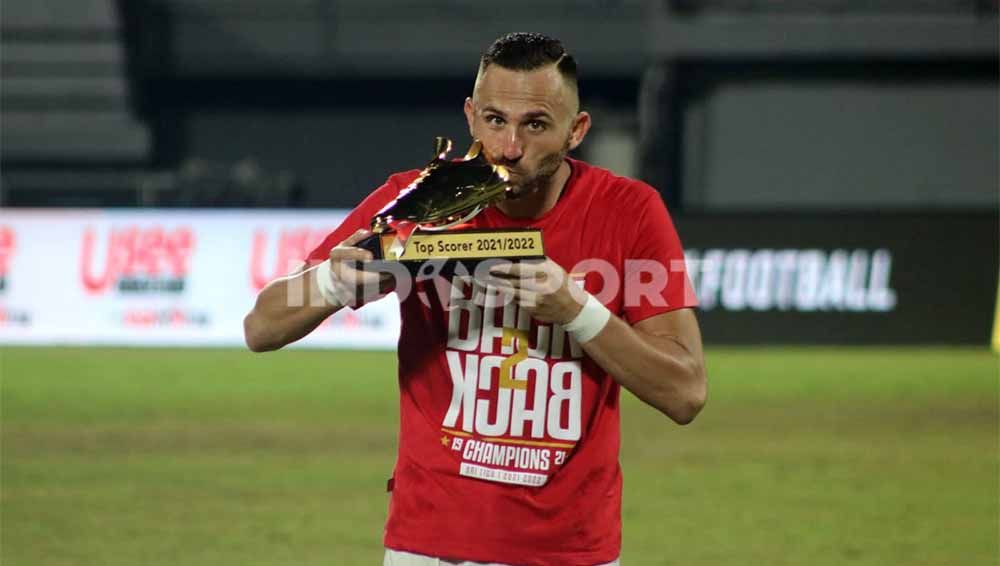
[99,96]
[356,38]
[66,102]
[837,6]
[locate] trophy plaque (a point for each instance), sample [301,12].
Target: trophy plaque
[424,223]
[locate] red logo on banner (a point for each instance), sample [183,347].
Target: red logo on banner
[137,260]
[290,249]
[170,317]
[8,245]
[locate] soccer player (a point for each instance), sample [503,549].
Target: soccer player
[518,464]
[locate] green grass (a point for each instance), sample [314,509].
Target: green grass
[218,457]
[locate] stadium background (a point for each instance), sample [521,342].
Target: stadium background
[832,166]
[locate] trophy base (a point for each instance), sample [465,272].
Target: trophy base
[450,250]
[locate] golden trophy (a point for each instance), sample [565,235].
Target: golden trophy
[424,223]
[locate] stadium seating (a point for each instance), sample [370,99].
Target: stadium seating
[66,99]
[88,85]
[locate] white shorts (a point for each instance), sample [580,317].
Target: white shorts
[403,558]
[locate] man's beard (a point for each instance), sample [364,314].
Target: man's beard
[547,169]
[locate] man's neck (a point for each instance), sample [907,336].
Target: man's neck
[538,203]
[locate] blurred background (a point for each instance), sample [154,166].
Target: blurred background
[831,165]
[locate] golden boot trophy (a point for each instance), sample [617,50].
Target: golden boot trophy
[424,223]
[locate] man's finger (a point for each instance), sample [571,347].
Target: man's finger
[517,293]
[355,277]
[356,237]
[512,270]
[349,254]
[526,298]
[504,286]
[521,277]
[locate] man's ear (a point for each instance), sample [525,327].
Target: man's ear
[470,115]
[581,125]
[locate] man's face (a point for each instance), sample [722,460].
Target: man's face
[527,120]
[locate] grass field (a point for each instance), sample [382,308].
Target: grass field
[219,457]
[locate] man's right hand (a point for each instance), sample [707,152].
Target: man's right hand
[348,285]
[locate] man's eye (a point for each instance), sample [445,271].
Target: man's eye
[536,125]
[494,120]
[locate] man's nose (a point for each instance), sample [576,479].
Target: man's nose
[513,148]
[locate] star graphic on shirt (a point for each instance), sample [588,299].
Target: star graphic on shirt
[445,440]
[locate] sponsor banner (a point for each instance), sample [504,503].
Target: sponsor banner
[762,280]
[188,277]
[852,278]
[161,277]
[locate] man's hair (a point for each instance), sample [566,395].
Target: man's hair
[522,51]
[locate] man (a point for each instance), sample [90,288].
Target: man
[521,467]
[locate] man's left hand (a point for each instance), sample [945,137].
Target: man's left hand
[543,288]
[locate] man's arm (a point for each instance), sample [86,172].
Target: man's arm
[659,360]
[286,310]
[291,307]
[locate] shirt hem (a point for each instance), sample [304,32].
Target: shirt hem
[475,554]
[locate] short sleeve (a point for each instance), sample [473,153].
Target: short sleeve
[656,279]
[362,215]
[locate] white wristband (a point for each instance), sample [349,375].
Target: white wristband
[326,285]
[590,321]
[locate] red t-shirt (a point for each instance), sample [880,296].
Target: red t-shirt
[523,471]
